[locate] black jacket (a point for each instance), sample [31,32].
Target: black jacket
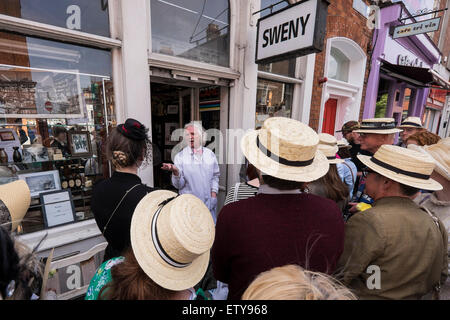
[105,198]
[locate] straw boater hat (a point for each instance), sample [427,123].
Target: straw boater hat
[404,166]
[412,122]
[440,152]
[329,147]
[378,126]
[286,149]
[343,143]
[171,237]
[15,200]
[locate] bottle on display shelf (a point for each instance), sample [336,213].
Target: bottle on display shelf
[64,182]
[82,175]
[71,178]
[78,179]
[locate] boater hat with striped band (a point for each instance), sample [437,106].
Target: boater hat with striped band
[378,126]
[286,149]
[171,237]
[329,146]
[403,165]
[412,122]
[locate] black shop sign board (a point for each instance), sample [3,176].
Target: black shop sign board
[294,31]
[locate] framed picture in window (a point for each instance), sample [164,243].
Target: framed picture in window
[41,182]
[79,143]
[170,127]
[172,109]
[57,208]
[7,136]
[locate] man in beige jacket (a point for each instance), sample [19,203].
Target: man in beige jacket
[438,202]
[395,250]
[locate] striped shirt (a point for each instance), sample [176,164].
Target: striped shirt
[244,191]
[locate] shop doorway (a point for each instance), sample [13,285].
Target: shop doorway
[329,116]
[173,106]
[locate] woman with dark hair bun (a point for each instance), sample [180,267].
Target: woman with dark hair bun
[114,199]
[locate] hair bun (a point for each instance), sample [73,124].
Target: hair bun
[133,129]
[120,159]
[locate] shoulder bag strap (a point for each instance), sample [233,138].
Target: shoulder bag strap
[120,202]
[353,177]
[236,189]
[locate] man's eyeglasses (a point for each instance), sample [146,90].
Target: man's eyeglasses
[366,172]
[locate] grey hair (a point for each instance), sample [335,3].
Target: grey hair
[198,126]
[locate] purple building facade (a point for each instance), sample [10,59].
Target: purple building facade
[398,64]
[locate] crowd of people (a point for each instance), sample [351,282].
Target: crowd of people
[315,219]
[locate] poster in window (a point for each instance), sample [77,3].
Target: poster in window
[39,93]
[170,127]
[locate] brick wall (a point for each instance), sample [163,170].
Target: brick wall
[342,21]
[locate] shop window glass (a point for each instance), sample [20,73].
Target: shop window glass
[196,29]
[277,6]
[82,15]
[56,106]
[284,68]
[339,64]
[273,99]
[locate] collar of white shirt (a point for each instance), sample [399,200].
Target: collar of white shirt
[266,189]
[198,151]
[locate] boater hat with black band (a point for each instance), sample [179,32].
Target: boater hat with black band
[378,126]
[412,122]
[404,166]
[286,149]
[329,146]
[171,237]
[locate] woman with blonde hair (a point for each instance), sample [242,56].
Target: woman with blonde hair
[292,282]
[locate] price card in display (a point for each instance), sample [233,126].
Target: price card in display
[57,208]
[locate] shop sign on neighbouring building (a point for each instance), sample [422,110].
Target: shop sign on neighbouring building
[294,31]
[412,29]
[406,61]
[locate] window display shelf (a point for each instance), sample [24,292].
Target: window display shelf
[47,161]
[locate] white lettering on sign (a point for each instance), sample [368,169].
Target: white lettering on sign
[406,61]
[417,28]
[290,30]
[73,22]
[74,280]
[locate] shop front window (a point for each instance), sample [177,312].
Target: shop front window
[283,68]
[339,65]
[197,29]
[273,99]
[81,15]
[56,107]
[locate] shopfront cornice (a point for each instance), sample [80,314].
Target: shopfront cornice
[184,65]
[43,30]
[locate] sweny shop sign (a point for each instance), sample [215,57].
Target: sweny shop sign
[294,31]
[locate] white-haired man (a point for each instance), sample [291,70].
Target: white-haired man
[195,169]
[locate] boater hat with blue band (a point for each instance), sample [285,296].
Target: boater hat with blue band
[171,237]
[412,122]
[286,149]
[378,126]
